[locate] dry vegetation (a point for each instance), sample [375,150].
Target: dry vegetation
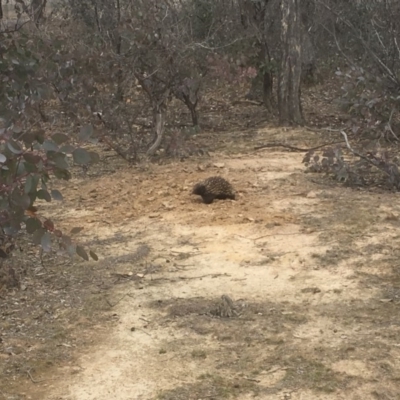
[131,287]
[311,268]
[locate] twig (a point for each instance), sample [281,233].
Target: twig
[30,376]
[113,305]
[309,128]
[386,69]
[356,153]
[273,144]
[202,276]
[217,47]
[288,234]
[184,265]
[185,252]
[252,380]
[389,125]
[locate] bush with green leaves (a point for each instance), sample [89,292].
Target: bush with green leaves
[31,154]
[373,105]
[376,167]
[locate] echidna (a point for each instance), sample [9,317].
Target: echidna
[214,187]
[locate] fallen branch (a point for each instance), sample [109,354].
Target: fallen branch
[113,305]
[293,147]
[33,380]
[356,153]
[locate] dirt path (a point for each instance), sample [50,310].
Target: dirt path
[312,271]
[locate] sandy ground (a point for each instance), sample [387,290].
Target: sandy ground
[311,268]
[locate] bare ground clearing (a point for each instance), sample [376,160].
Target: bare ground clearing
[312,269]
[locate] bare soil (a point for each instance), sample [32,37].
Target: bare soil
[311,268]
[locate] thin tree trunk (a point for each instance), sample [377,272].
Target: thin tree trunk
[37,10]
[159,114]
[268,82]
[120,76]
[289,101]
[268,77]
[193,112]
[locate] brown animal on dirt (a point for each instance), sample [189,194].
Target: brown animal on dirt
[213,188]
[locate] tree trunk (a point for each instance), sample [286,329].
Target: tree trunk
[37,10]
[159,116]
[289,83]
[193,113]
[119,95]
[268,77]
[268,82]
[188,93]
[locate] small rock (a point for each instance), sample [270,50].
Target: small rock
[168,206]
[160,261]
[311,195]
[219,165]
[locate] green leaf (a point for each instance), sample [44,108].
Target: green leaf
[32,158]
[62,174]
[14,147]
[93,140]
[67,240]
[49,145]
[60,160]
[86,132]
[57,233]
[45,242]
[37,236]
[30,184]
[44,178]
[32,197]
[81,156]
[67,149]
[44,195]
[94,157]
[93,255]
[13,228]
[59,138]
[56,195]
[31,168]
[28,138]
[82,253]
[35,182]
[49,225]
[76,230]
[20,169]
[32,225]
[17,129]
[71,249]
[21,199]
[40,137]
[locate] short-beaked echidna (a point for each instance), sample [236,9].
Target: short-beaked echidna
[212,188]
